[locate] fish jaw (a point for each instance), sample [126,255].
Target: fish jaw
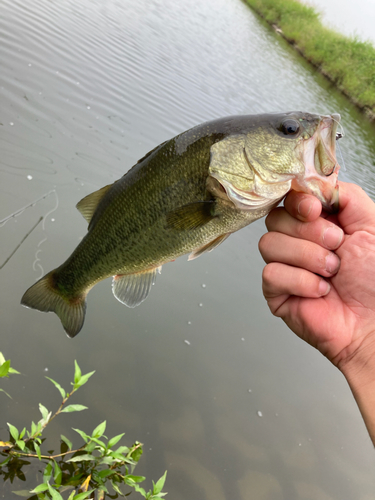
[318,154]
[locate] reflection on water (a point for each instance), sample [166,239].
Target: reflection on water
[87,88]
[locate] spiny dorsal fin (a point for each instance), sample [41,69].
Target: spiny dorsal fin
[191,216]
[132,289]
[89,203]
[208,247]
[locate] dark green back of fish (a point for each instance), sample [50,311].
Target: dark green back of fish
[129,231]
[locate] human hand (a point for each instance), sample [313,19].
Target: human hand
[320,275]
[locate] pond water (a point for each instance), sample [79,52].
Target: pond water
[222,395]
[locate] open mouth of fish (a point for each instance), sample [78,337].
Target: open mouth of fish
[321,166]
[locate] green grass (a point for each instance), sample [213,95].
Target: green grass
[348,62]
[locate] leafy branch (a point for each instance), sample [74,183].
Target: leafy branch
[91,468]
[5,369]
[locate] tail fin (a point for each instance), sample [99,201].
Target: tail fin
[44,296]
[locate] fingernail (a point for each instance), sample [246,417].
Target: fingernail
[304,207]
[332,263]
[324,288]
[332,237]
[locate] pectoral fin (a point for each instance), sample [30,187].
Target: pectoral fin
[208,247]
[132,289]
[191,216]
[89,203]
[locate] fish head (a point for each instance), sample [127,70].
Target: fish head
[268,155]
[318,154]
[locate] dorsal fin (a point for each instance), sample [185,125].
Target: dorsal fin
[89,203]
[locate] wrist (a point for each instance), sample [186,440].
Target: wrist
[359,367]
[359,372]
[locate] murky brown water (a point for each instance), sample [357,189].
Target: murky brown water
[87,88]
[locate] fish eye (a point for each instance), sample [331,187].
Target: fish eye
[289,127]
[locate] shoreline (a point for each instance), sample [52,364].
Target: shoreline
[347,62]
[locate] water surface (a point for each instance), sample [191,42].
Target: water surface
[220,392]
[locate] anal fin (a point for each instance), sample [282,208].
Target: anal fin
[208,247]
[133,289]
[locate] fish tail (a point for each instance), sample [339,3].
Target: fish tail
[45,296]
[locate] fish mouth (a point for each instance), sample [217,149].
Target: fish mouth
[321,166]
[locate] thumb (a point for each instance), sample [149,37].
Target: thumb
[357,210]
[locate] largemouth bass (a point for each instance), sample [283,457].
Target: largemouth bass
[187,196]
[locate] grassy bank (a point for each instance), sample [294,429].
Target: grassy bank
[348,62]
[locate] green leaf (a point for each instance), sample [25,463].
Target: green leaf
[22,493]
[21,444]
[122,449]
[135,479]
[4,368]
[101,444]
[45,414]
[9,396]
[82,496]
[99,430]
[71,496]
[116,488]
[23,432]
[71,408]
[37,449]
[66,441]
[42,487]
[82,458]
[58,386]
[77,373]
[47,474]
[13,432]
[160,484]
[2,359]
[107,461]
[137,453]
[89,447]
[54,493]
[12,370]
[33,429]
[83,435]
[83,380]
[120,457]
[140,490]
[114,440]
[105,473]
[57,475]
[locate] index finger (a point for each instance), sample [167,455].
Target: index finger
[302,206]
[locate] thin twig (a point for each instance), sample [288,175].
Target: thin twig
[49,457]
